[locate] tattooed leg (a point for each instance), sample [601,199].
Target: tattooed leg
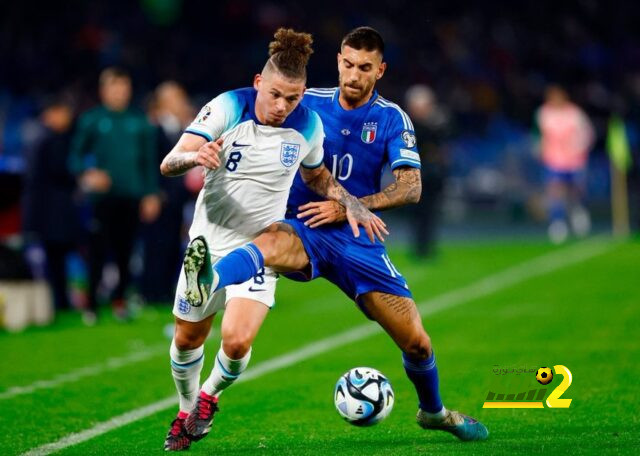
[399,317]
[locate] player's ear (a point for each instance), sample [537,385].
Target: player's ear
[339,57]
[381,69]
[257,80]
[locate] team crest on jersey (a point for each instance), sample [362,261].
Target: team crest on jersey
[369,132]
[204,114]
[289,154]
[409,138]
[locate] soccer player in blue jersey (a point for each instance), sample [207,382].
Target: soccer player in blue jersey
[364,134]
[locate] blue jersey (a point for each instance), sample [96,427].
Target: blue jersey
[358,144]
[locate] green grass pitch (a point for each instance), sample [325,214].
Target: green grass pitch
[584,315]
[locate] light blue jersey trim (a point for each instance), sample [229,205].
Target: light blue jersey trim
[313,129]
[233,106]
[404,161]
[199,133]
[406,121]
[324,93]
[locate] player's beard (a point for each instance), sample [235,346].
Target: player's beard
[354,97]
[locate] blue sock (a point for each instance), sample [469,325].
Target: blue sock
[238,266]
[424,375]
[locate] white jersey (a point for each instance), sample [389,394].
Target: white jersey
[249,191]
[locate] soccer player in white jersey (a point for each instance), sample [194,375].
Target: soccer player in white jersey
[252,142]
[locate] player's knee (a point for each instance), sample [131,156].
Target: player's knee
[236,344]
[418,347]
[189,340]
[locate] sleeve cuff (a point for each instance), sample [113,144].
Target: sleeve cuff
[405,162]
[199,133]
[314,166]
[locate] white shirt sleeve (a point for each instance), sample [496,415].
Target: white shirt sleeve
[216,117]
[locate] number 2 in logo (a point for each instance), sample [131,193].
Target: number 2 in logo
[554,401]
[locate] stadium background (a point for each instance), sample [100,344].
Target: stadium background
[488,63]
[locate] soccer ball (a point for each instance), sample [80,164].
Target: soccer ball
[544,375]
[363,396]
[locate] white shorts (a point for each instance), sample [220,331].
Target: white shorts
[261,288]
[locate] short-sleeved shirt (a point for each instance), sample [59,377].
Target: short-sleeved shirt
[359,143]
[259,162]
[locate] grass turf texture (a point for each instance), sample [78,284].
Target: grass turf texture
[584,316]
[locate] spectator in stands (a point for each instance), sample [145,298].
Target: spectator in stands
[432,128]
[566,135]
[113,153]
[50,213]
[171,112]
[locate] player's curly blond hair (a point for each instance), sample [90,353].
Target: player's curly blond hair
[289,53]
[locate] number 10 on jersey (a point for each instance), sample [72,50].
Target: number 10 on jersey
[341,169]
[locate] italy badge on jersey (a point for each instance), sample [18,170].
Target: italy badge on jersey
[369,132]
[289,154]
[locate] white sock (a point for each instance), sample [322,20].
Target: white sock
[185,368]
[225,371]
[436,416]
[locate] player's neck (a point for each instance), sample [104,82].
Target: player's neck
[349,105]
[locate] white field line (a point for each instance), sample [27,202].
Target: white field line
[87,371]
[91,371]
[513,275]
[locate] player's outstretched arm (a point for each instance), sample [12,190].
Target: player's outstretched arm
[191,151]
[405,190]
[322,182]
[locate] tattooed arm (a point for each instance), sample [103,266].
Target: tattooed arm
[190,151]
[322,182]
[405,190]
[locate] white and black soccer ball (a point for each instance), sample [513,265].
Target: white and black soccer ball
[363,396]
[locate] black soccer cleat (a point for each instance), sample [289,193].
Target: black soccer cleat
[198,424]
[177,438]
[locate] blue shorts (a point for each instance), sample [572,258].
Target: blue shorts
[576,178]
[355,265]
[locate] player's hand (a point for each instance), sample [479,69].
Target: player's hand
[209,154]
[322,212]
[95,180]
[358,214]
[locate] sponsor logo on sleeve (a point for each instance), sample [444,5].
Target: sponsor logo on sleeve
[409,138]
[411,155]
[204,114]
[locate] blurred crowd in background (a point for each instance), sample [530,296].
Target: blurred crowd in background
[472,75]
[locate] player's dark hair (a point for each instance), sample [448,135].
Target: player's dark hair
[111,73]
[290,52]
[366,38]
